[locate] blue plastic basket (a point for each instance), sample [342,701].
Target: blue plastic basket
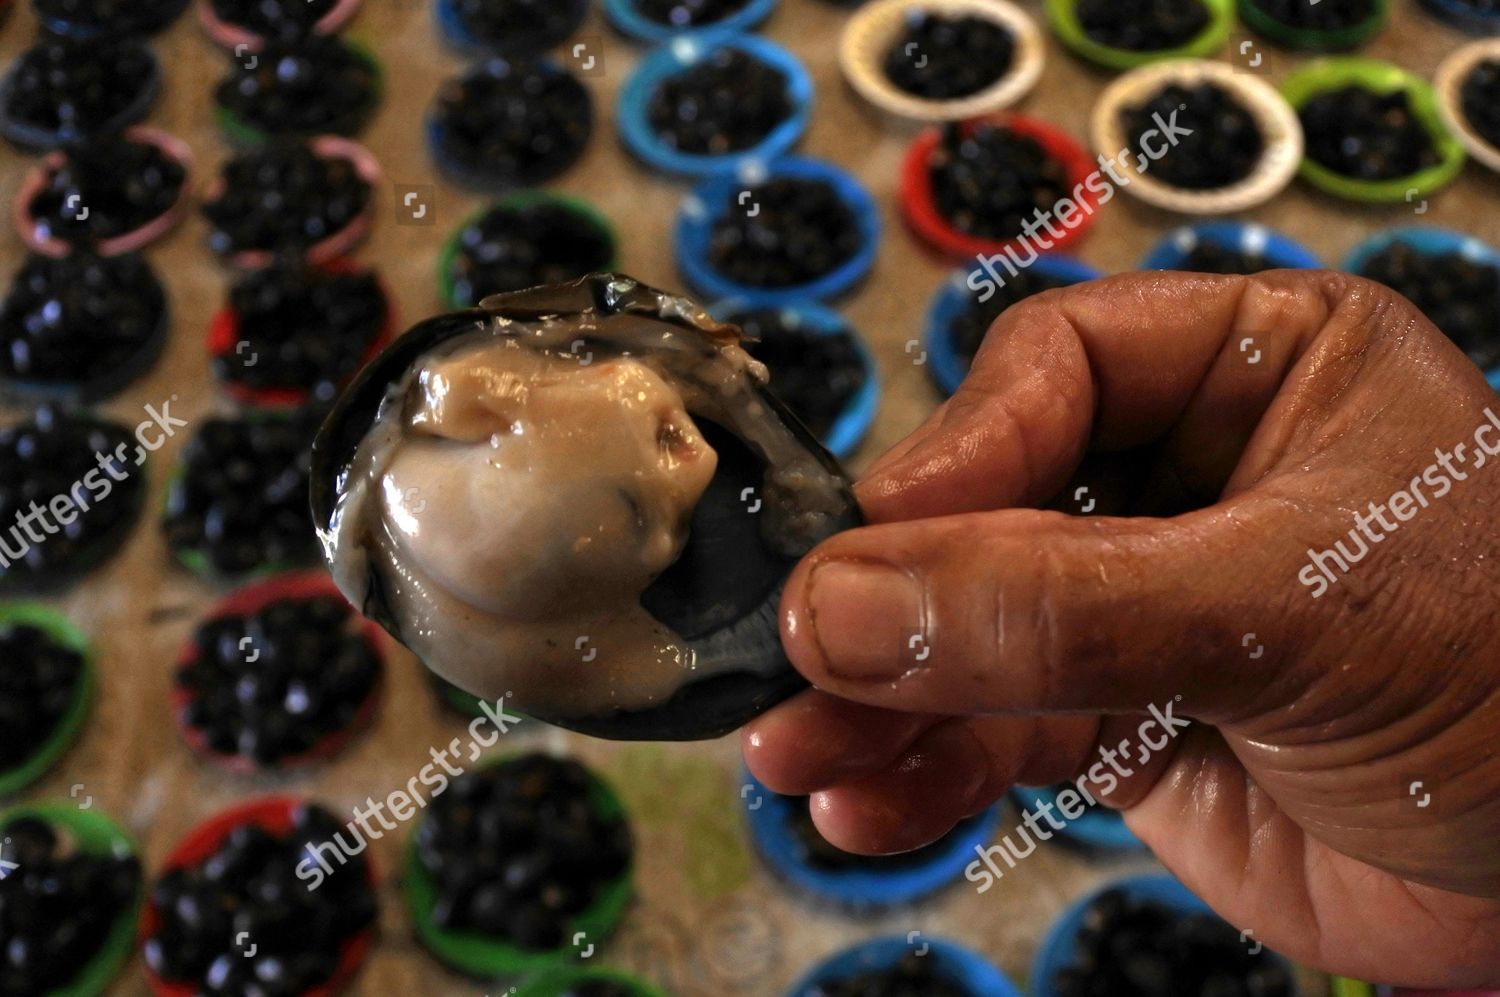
[627,18]
[712,198]
[769,815]
[946,368]
[1243,237]
[1463,16]
[957,964]
[478,178]
[1432,242]
[456,33]
[1059,948]
[40,139]
[680,53]
[853,424]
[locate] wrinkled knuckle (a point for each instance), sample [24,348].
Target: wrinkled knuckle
[1382,308]
[1057,639]
[1295,301]
[1382,328]
[1333,289]
[1351,325]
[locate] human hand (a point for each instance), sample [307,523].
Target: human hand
[965,643]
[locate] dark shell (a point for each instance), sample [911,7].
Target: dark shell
[722,614]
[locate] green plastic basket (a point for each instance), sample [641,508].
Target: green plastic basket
[557,981]
[465,703]
[1062,15]
[1308,40]
[1380,77]
[94,834]
[62,630]
[489,958]
[520,199]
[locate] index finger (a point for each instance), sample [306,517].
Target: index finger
[1122,361]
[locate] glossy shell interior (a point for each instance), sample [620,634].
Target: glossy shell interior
[721,594]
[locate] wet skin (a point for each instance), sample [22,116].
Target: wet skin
[1046,636]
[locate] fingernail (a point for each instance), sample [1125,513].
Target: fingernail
[867,619]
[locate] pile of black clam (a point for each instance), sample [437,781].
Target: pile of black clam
[284,197]
[1359,133]
[989,180]
[58,905]
[243,919]
[302,86]
[64,90]
[784,232]
[519,849]
[945,57]
[124,183]
[1221,142]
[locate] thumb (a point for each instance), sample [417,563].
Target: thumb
[1028,611]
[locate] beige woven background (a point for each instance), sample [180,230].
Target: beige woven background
[709,920]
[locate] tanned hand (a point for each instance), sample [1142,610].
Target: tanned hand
[1228,430]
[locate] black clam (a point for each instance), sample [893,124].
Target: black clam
[818,374]
[234,507]
[287,197]
[243,907]
[1460,296]
[720,595]
[801,230]
[42,681]
[521,852]
[988,180]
